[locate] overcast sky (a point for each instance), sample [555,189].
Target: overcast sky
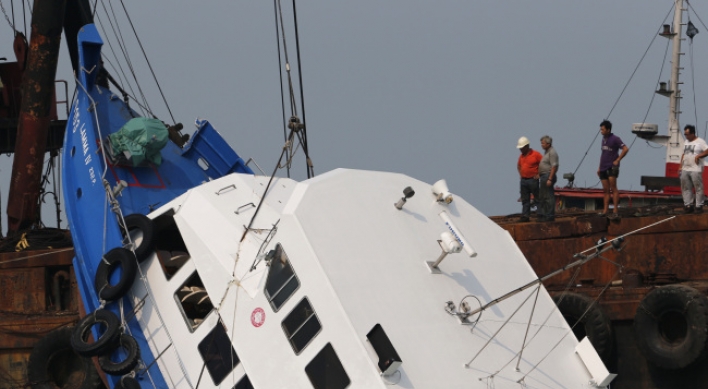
[432,89]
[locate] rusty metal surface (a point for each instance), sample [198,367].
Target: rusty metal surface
[672,252]
[37,92]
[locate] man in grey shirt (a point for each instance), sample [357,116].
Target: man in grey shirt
[547,171]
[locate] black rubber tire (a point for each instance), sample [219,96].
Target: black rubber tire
[53,364]
[671,326]
[130,345]
[142,233]
[127,383]
[595,324]
[117,257]
[107,341]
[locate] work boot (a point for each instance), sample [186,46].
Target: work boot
[688,209]
[699,209]
[523,219]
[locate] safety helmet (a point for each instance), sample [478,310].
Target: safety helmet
[523,141]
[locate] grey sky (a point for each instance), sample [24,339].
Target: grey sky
[431,89]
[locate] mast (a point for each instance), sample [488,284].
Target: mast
[674,148]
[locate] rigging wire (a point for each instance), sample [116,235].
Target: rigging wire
[121,44]
[622,92]
[294,122]
[24,17]
[128,59]
[280,75]
[148,62]
[120,71]
[303,140]
[693,81]
[653,95]
[7,18]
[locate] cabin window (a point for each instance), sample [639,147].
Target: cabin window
[169,245]
[194,301]
[325,371]
[282,281]
[218,354]
[244,383]
[389,361]
[301,325]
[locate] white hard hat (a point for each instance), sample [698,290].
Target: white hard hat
[523,141]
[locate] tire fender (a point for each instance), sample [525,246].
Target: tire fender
[106,341]
[132,350]
[127,383]
[595,324]
[117,257]
[671,326]
[53,363]
[142,233]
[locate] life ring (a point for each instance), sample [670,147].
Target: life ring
[142,233]
[108,340]
[127,383]
[54,364]
[595,324]
[132,350]
[671,326]
[112,260]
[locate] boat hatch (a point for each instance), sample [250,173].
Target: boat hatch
[389,361]
[282,281]
[325,371]
[219,355]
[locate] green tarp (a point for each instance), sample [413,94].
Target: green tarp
[140,140]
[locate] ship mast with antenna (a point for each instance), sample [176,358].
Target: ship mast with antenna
[674,147]
[673,140]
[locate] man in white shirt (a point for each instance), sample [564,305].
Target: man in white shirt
[691,168]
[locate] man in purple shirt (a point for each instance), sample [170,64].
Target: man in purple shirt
[609,166]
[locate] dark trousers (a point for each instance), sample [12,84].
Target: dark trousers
[528,186]
[547,197]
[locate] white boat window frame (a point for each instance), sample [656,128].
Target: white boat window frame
[188,321]
[287,263]
[312,315]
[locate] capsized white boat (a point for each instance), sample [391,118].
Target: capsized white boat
[333,286]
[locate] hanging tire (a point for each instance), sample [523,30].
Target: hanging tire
[107,340]
[127,383]
[671,326]
[595,324]
[117,257]
[53,363]
[142,233]
[130,345]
